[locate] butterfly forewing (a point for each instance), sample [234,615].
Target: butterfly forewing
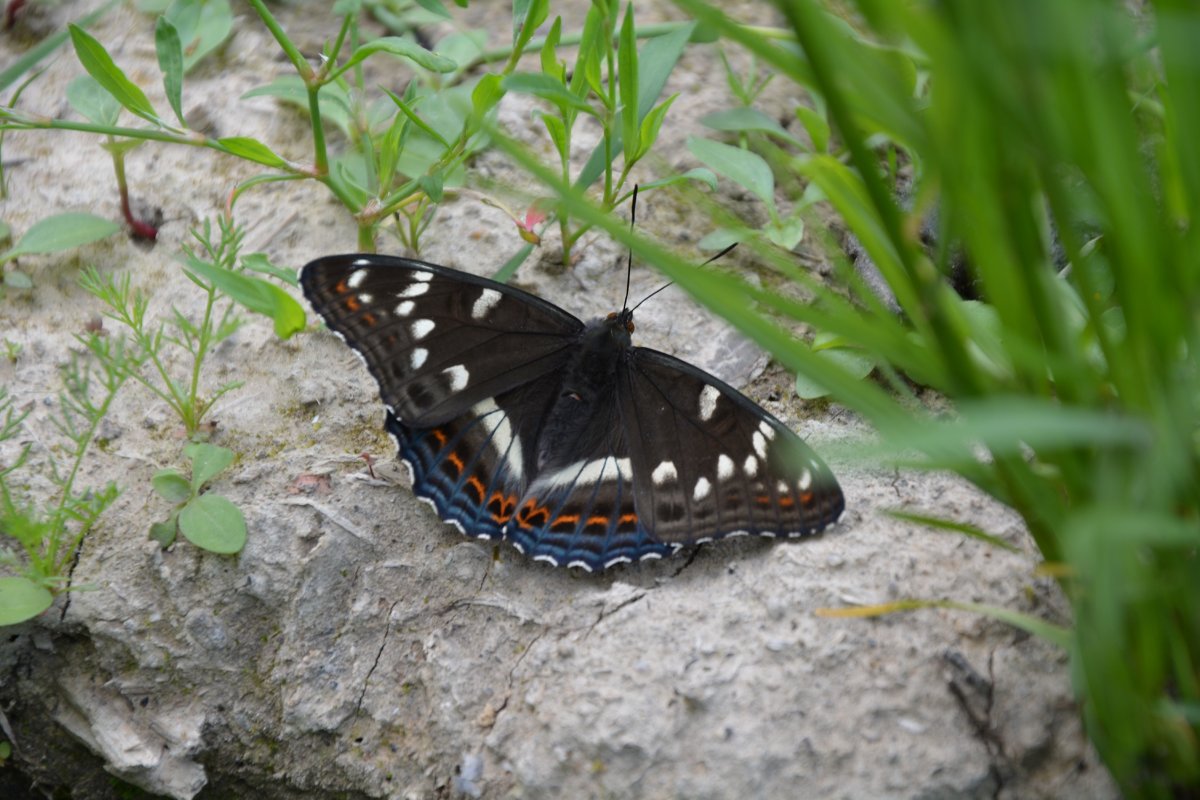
[712,463]
[438,341]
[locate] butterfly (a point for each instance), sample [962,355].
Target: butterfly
[520,422]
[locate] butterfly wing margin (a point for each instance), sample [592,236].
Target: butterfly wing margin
[437,341]
[721,464]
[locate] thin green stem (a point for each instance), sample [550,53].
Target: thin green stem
[297,58]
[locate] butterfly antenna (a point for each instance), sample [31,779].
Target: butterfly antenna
[629,264]
[718,255]
[672,283]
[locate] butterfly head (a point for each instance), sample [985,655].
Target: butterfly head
[620,325]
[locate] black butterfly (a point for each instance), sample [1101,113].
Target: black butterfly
[520,422]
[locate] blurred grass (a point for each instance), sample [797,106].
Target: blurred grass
[1060,142]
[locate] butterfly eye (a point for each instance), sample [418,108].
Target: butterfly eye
[629,325]
[612,315]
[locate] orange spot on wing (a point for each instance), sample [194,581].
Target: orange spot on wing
[456,461]
[806,498]
[370,319]
[441,437]
[501,507]
[341,287]
[353,304]
[601,520]
[478,486]
[526,516]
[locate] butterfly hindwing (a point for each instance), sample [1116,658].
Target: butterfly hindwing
[438,341]
[713,463]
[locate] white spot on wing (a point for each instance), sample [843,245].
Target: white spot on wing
[767,430]
[783,488]
[418,357]
[549,559]
[805,481]
[485,303]
[361,262]
[458,376]
[421,328]
[724,467]
[708,402]
[578,563]
[496,421]
[422,276]
[601,469]
[405,308]
[612,562]
[356,278]
[414,290]
[365,298]
[751,466]
[760,444]
[703,487]
[663,473]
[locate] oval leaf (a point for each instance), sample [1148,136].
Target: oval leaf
[170,61]
[171,486]
[22,599]
[99,65]
[252,150]
[214,524]
[62,232]
[91,101]
[744,168]
[207,462]
[255,294]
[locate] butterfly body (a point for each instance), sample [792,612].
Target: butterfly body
[520,422]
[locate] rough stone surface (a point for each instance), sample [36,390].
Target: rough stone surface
[359,648]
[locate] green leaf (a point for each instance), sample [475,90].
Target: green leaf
[651,125]
[957,527]
[171,486]
[701,174]
[486,94]
[547,88]
[401,48]
[22,599]
[656,61]
[745,119]
[551,64]
[166,531]
[830,348]
[213,523]
[785,233]
[170,61]
[208,460]
[722,238]
[416,118]
[526,24]
[61,232]
[627,84]
[435,7]
[255,294]
[558,133]
[252,150]
[817,127]
[92,102]
[509,268]
[432,186]
[99,64]
[258,262]
[744,168]
[202,26]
